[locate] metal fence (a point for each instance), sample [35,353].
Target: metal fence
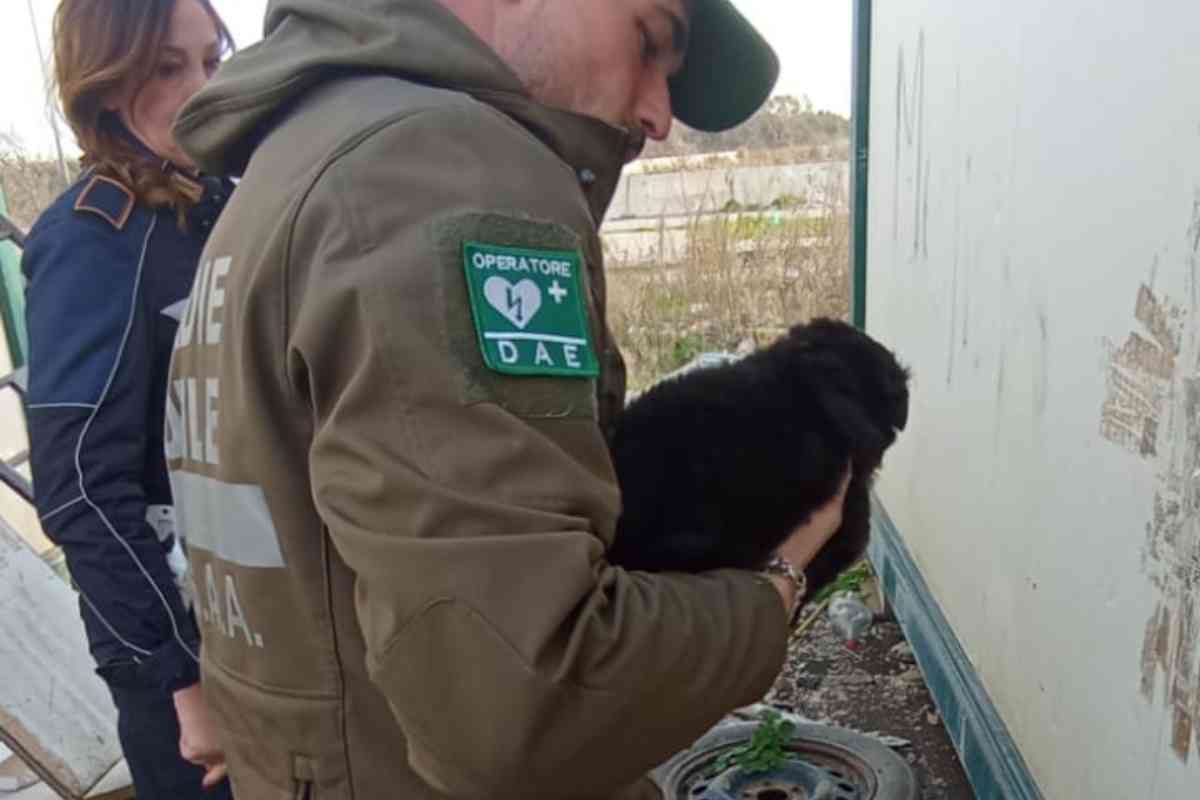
[12,315]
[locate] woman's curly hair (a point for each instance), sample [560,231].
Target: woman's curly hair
[101,46]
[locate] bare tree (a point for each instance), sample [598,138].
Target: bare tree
[51,115]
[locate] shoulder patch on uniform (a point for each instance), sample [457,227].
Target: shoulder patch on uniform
[529,310]
[107,198]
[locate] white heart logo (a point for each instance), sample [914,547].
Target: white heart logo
[518,303]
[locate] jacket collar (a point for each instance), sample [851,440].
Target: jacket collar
[309,42]
[211,192]
[593,149]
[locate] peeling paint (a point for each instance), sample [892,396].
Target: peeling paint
[1183,687]
[1172,562]
[1154,649]
[1162,321]
[1140,372]
[1152,409]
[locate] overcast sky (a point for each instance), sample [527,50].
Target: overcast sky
[812,38]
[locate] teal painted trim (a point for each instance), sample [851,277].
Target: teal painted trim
[860,144]
[989,755]
[12,298]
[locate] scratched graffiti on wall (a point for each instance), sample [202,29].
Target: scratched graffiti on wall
[1152,409]
[911,146]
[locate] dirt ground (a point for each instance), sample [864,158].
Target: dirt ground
[877,689]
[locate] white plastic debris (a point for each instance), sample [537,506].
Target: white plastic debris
[850,617]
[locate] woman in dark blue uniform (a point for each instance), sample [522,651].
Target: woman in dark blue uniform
[110,265]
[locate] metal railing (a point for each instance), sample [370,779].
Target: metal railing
[15,381]
[10,232]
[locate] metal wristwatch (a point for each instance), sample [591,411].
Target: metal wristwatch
[778,565]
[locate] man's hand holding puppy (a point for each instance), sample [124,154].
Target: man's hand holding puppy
[803,544]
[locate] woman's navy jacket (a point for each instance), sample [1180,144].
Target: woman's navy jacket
[108,279]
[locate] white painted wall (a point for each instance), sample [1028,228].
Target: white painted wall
[1034,165]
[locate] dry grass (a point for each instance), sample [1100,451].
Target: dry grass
[743,279]
[745,157]
[29,186]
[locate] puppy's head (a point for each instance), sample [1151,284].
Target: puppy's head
[873,377]
[864,391]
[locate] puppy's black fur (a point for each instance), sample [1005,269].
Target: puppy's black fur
[719,465]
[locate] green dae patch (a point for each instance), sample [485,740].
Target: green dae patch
[528,309]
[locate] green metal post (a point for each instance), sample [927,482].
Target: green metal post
[12,299]
[860,142]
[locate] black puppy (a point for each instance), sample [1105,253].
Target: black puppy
[719,465]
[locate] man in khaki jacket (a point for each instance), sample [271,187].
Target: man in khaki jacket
[388,398]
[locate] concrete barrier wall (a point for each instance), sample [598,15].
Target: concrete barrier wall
[650,195]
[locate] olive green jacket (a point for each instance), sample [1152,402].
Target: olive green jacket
[398,546]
